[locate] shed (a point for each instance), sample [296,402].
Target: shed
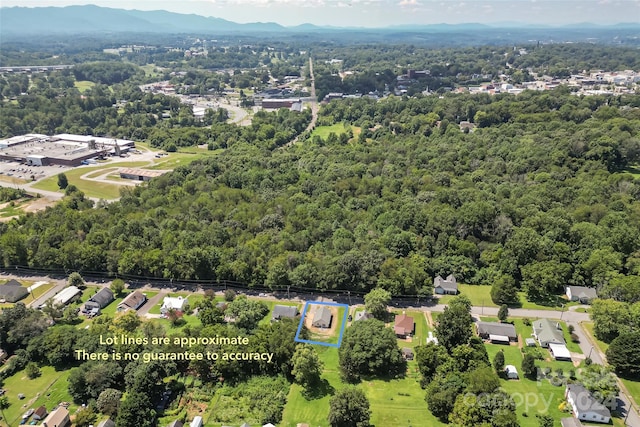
[432,339]
[107,423]
[362,315]
[13,291]
[407,353]
[40,413]
[511,372]
[530,342]
[559,351]
[322,318]
[197,421]
[176,423]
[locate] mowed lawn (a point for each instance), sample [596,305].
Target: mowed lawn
[49,389]
[182,158]
[324,131]
[96,189]
[480,296]
[83,85]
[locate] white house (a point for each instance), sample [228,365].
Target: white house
[585,406]
[173,303]
[511,372]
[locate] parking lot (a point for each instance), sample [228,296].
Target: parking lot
[9,169]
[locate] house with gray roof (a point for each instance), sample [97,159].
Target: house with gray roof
[101,299]
[13,291]
[107,423]
[284,311]
[447,286]
[586,407]
[548,331]
[581,293]
[487,329]
[322,318]
[362,315]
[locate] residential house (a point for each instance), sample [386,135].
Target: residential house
[39,413]
[107,423]
[581,293]
[322,318]
[585,406]
[511,372]
[57,418]
[547,331]
[447,286]
[3,355]
[133,301]
[13,291]
[173,303]
[404,326]
[407,353]
[362,315]
[497,332]
[560,352]
[197,421]
[284,311]
[100,300]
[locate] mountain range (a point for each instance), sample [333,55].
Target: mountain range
[95,19]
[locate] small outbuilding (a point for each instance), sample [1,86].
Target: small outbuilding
[107,423]
[407,353]
[197,421]
[511,372]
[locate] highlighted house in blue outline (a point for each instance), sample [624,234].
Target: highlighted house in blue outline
[304,313]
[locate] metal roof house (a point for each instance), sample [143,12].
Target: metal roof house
[547,331]
[447,286]
[581,293]
[322,318]
[13,291]
[585,406]
[560,352]
[284,311]
[67,295]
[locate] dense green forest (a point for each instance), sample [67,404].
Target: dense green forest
[541,195]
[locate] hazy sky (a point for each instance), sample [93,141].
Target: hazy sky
[376,13]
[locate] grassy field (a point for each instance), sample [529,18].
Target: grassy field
[13,209]
[83,85]
[49,389]
[182,158]
[324,131]
[99,190]
[480,295]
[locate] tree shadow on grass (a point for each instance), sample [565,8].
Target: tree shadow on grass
[318,391]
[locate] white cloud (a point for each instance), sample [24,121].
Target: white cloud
[406,3]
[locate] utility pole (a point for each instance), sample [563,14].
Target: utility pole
[589,356]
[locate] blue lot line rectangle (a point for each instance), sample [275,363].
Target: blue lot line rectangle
[304,313]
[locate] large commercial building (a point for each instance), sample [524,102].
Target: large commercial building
[63,149]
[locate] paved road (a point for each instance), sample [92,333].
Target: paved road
[50,293]
[314,106]
[144,310]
